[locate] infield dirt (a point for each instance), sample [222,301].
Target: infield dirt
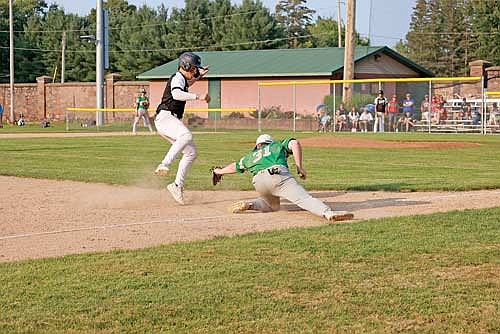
[47,218]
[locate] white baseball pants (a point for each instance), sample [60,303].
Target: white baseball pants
[142,113]
[172,129]
[272,187]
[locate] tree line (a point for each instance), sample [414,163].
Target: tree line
[445,35]
[141,38]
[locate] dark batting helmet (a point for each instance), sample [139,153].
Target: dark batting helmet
[188,59]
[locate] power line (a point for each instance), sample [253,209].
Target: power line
[172,49]
[151,25]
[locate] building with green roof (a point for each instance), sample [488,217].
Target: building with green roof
[233,79]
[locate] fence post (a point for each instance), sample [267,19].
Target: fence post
[334,119]
[259,127]
[294,105]
[483,107]
[430,106]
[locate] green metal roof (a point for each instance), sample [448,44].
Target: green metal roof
[277,62]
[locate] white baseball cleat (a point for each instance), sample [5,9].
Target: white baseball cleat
[162,170]
[176,192]
[336,216]
[240,207]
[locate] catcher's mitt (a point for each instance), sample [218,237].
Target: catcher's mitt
[215,177]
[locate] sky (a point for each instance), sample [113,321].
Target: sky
[385,22]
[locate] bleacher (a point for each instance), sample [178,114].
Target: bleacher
[454,126]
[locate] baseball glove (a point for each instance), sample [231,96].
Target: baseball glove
[216,178]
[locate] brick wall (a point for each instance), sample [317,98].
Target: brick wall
[46,100]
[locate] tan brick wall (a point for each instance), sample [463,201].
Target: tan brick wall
[43,99]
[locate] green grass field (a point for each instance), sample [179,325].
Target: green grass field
[131,160]
[423,274]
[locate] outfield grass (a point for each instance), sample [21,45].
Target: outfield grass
[420,274]
[131,160]
[426,274]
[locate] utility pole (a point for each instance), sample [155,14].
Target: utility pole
[63,56]
[99,63]
[339,24]
[349,51]
[11,72]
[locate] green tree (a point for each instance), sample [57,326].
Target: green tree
[485,34]
[27,61]
[252,27]
[451,25]
[421,40]
[446,35]
[294,17]
[139,45]
[324,33]
[189,28]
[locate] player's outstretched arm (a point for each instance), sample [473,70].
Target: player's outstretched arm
[229,169]
[296,149]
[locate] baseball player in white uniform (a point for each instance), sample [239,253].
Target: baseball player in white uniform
[272,179]
[169,124]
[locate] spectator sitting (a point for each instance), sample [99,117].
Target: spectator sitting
[342,109]
[494,113]
[320,111]
[340,120]
[466,110]
[21,121]
[476,116]
[405,120]
[436,110]
[325,121]
[353,118]
[365,120]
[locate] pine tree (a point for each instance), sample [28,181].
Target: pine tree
[485,22]
[294,17]
[251,24]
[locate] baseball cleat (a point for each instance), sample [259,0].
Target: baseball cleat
[162,170]
[176,192]
[240,207]
[336,216]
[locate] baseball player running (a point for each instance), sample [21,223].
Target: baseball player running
[169,124]
[271,178]
[141,111]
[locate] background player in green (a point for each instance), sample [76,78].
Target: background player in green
[272,179]
[141,111]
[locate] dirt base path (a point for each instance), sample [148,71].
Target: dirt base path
[46,218]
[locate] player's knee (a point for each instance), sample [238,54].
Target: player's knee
[186,137]
[190,152]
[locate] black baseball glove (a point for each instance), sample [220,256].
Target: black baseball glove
[216,178]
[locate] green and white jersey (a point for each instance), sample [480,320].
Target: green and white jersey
[269,155]
[139,101]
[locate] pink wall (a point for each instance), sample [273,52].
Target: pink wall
[243,93]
